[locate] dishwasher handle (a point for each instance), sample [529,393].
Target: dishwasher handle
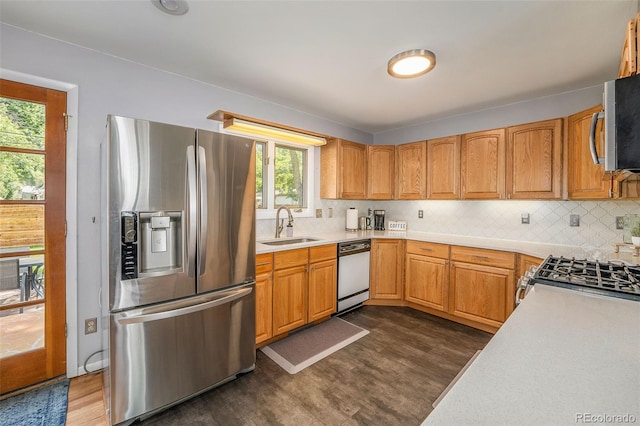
[346,249]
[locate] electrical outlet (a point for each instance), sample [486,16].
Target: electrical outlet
[524,218]
[420,214]
[574,220]
[318,213]
[619,222]
[90,325]
[330,212]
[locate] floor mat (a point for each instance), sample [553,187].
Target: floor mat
[310,345]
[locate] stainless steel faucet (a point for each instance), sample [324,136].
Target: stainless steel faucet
[279,224]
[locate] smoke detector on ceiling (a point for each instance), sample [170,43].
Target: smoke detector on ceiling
[172,7]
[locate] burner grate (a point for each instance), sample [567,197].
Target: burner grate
[598,275]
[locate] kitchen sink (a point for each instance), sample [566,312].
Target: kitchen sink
[288,241]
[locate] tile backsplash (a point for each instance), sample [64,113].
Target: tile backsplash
[549,220]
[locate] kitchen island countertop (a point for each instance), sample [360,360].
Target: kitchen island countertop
[541,250]
[563,358]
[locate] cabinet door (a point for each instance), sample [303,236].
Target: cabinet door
[427,281]
[343,170]
[381,160]
[481,293]
[534,160]
[387,266]
[482,165]
[443,168]
[354,170]
[411,171]
[264,298]
[525,262]
[289,299]
[323,288]
[586,179]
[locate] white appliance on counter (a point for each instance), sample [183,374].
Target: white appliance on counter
[353,274]
[352,219]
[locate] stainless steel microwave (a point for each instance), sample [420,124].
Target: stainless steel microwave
[621,115]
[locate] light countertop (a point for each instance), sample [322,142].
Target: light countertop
[541,250]
[560,358]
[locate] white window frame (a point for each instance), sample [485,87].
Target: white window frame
[309,177]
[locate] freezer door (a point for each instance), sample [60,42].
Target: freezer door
[152,177]
[163,354]
[226,186]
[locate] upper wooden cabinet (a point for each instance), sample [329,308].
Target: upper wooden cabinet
[381,160]
[534,160]
[629,63]
[482,165]
[443,168]
[586,180]
[411,171]
[343,170]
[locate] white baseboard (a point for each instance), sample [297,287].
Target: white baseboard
[92,367]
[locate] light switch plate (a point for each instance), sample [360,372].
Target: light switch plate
[524,218]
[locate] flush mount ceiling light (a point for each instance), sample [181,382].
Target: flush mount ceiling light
[172,7]
[248,128]
[411,63]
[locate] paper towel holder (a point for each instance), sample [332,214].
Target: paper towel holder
[352,219]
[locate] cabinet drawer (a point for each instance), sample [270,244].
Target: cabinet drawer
[501,259]
[289,258]
[264,263]
[319,253]
[428,249]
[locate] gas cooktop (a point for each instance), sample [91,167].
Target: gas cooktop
[606,278]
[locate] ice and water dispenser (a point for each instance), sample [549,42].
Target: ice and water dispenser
[151,243]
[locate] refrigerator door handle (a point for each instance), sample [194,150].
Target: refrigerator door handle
[202,171]
[192,212]
[172,313]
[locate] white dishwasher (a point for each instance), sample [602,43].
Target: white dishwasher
[353,274]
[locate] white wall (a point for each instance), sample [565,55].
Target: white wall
[548,107]
[109,85]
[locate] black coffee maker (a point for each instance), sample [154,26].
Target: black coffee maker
[378,220]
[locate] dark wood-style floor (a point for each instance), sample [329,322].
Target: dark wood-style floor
[391,377]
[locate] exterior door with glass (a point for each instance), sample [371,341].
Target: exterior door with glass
[32,234]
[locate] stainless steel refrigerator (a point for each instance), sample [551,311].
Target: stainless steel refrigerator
[179,280]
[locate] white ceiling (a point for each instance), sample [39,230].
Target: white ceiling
[329,58]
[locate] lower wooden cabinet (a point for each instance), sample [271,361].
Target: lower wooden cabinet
[482,291]
[264,297]
[323,287]
[387,269]
[289,298]
[323,281]
[301,288]
[427,274]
